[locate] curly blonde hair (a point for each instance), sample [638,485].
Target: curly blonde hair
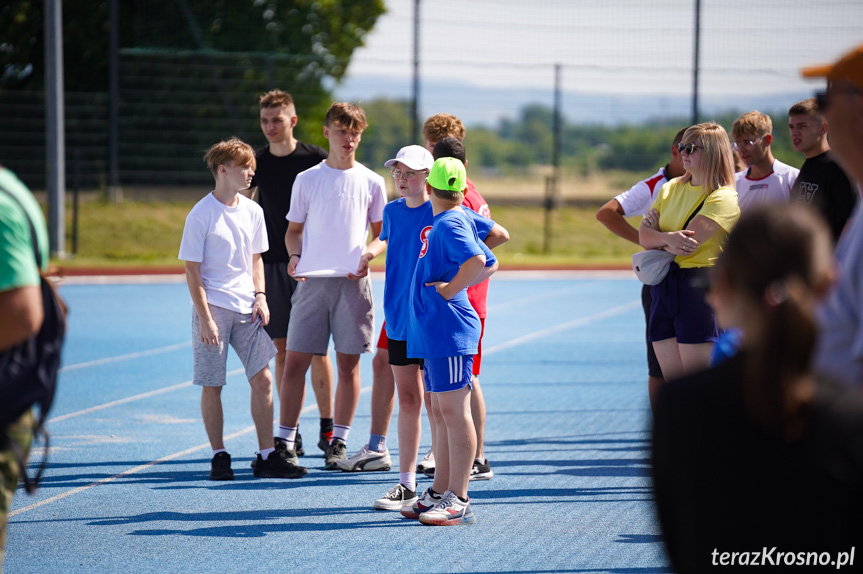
[441,126]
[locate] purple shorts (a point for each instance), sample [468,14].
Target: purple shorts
[679,310]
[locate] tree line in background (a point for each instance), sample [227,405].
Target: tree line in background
[518,143]
[192,70]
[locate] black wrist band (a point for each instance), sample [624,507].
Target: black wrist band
[264,293]
[294,255]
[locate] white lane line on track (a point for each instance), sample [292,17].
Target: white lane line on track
[126,357]
[560,328]
[132,399]
[529,337]
[145,466]
[537,296]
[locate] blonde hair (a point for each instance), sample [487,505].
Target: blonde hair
[232,151]
[441,126]
[752,124]
[348,116]
[717,160]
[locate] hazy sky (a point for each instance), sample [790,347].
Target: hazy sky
[613,46]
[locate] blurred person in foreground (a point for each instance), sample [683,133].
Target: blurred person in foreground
[21,314]
[681,325]
[840,346]
[821,183]
[637,201]
[758,453]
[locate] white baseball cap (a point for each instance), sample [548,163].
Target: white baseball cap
[413,156]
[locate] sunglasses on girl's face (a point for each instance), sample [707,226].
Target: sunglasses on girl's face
[689,148]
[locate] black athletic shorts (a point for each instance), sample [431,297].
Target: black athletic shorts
[399,354]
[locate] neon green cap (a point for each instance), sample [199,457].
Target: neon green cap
[448,174]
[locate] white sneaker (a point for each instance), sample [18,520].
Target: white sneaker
[395,498]
[365,460]
[427,463]
[450,511]
[423,504]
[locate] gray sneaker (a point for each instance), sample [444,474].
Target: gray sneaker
[336,451]
[282,450]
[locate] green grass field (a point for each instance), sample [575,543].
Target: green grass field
[147,234]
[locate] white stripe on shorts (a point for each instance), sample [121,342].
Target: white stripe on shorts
[455,368]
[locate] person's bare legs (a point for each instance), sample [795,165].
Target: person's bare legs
[477,411]
[293,388]
[456,440]
[262,406]
[695,358]
[383,393]
[653,386]
[668,354]
[280,362]
[347,388]
[677,360]
[410,388]
[440,445]
[322,384]
[211,412]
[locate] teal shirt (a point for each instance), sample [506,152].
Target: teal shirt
[17,263]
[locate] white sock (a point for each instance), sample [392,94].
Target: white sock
[408,479]
[341,432]
[289,435]
[265,453]
[217,451]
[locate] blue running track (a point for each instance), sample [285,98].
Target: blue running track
[565,383]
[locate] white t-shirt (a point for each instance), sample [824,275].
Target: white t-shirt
[774,187]
[335,206]
[223,239]
[638,199]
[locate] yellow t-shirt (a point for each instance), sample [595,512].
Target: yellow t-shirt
[676,201]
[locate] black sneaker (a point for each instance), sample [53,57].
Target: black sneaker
[336,451]
[275,466]
[324,440]
[481,470]
[298,445]
[220,467]
[282,450]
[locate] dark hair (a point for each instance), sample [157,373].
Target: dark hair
[774,256]
[449,147]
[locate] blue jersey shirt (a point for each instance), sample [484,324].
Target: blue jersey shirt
[405,229]
[439,328]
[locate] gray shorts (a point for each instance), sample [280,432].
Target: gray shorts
[249,340]
[280,288]
[337,306]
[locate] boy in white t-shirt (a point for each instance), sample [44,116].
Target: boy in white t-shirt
[332,207]
[766,178]
[222,243]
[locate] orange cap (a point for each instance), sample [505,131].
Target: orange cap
[849,68]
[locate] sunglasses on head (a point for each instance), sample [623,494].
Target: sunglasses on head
[689,148]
